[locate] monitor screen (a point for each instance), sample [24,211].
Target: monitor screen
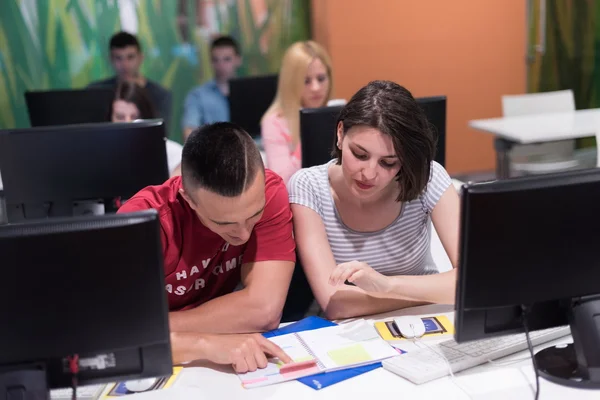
[528,257]
[67,107]
[249,99]
[91,286]
[57,166]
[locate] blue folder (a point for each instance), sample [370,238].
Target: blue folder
[322,380]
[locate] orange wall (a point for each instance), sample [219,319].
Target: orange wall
[469,50]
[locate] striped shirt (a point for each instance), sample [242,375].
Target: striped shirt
[402,248]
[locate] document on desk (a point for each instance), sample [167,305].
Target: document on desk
[322,350]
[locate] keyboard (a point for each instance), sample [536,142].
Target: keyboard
[91,392]
[426,364]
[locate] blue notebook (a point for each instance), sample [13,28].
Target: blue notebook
[322,380]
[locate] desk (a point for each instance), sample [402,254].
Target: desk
[538,128]
[484,382]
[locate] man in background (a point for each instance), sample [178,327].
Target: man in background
[126,57]
[208,103]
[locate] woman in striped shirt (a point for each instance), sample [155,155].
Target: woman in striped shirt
[365,217]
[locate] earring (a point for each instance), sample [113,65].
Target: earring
[339,146]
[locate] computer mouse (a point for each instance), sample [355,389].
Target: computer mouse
[140,385]
[410,326]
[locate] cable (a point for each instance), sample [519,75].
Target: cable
[508,362]
[416,342]
[74,369]
[525,310]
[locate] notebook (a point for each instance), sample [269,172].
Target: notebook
[324,379]
[321,350]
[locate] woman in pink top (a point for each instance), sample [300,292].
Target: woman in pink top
[304,82]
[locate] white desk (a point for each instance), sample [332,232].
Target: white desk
[484,382]
[538,128]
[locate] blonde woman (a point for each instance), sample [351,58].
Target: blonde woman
[304,82]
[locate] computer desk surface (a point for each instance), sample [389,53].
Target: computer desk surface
[491,381]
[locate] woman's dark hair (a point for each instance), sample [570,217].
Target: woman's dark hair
[391,109]
[133,93]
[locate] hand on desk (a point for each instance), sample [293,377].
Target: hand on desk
[361,275]
[245,352]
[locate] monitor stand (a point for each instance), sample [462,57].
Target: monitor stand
[576,364]
[25,382]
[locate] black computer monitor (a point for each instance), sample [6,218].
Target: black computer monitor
[317,133]
[533,242]
[91,287]
[435,109]
[249,99]
[75,169]
[67,107]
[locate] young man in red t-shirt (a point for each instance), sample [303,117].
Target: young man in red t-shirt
[225,221]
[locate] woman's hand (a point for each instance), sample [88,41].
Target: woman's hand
[361,275]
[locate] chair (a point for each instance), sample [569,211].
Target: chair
[545,157]
[435,110]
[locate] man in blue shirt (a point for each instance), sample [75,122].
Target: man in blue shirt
[126,58]
[208,103]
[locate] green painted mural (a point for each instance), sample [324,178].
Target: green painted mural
[51,44]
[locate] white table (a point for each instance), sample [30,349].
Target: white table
[538,128]
[484,382]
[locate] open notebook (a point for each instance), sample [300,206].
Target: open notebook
[322,350]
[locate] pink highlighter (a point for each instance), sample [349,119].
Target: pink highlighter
[299,367]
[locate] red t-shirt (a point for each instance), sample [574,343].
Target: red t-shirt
[199,264]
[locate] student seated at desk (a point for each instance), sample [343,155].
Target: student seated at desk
[131,103]
[226,220]
[126,57]
[305,81]
[209,103]
[365,216]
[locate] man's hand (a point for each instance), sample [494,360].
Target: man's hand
[245,352]
[361,275]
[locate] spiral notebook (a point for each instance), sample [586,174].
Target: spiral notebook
[322,350]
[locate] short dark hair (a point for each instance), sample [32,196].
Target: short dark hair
[391,109]
[222,158]
[120,40]
[225,41]
[133,93]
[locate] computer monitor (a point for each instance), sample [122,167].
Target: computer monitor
[318,126]
[76,169]
[317,131]
[533,242]
[435,109]
[249,99]
[86,287]
[68,107]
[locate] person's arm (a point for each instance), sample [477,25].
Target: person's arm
[187,132]
[176,171]
[192,117]
[255,308]
[244,352]
[437,288]
[277,149]
[337,301]
[174,151]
